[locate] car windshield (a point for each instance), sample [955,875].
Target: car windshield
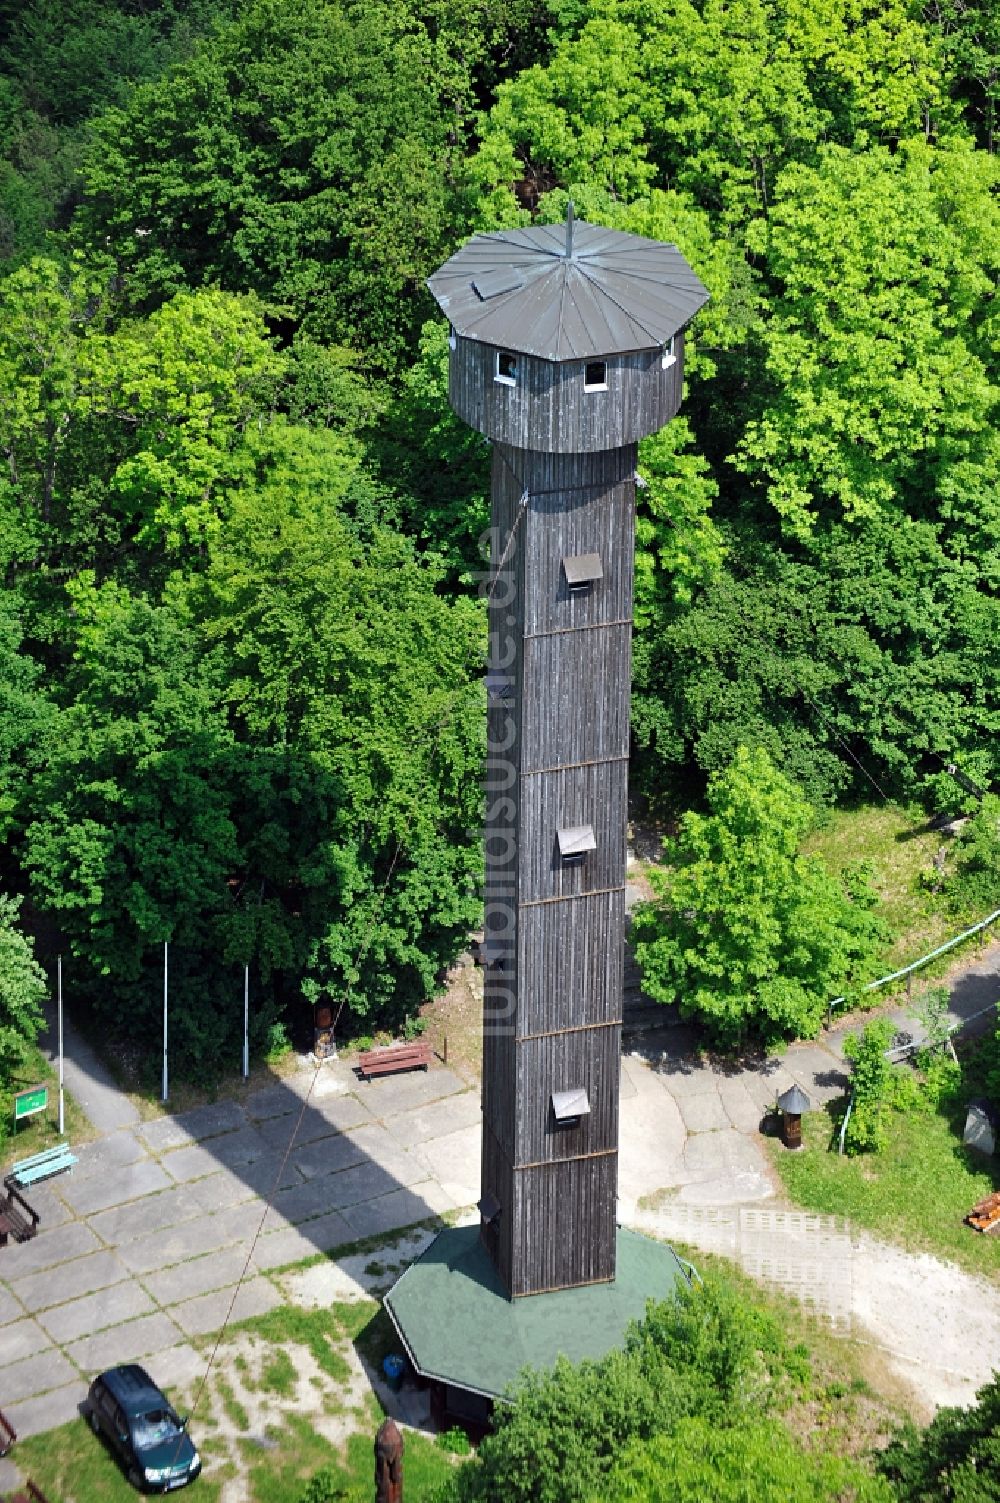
[156,1425]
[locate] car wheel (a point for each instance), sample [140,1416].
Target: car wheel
[136,1479]
[95,1423]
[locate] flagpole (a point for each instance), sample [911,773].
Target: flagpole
[164,1020]
[62,1114]
[246,1022]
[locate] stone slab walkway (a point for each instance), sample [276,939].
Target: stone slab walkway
[144,1242]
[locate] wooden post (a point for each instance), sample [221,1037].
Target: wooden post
[388,1463]
[444,1056]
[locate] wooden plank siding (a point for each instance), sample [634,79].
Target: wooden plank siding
[554,939]
[570,963]
[564,1225]
[587,1058]
[548,410]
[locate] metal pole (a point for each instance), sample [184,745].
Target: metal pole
[246,1022]
[164,1020]
[62,1110]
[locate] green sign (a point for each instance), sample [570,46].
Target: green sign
[26,1103]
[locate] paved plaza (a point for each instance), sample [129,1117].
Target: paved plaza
[144,1244]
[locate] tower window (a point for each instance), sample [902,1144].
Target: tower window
[582,572]
[575,843]
[569,1106]
[506,368]
[668,357]
[595,376]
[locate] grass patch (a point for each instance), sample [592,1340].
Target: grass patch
[42,1130]
[349,1477]
[899,845]
[320,1331]
[72,1463]
[278,1374]
[915,1193]
[281,1474]
[233,1409]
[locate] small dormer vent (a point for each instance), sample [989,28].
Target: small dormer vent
[575,843]
[582,572]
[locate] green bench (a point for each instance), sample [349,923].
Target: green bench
[41,1165]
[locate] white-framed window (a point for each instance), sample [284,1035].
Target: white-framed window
[505,368]
[452,340]
[668,358]
[595,375]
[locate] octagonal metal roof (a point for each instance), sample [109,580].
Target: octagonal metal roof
[568,291]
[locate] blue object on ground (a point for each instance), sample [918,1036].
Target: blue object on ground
[394,1367]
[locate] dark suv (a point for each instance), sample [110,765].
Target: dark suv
[125,1405]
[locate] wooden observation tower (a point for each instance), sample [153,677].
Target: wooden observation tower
[567,348]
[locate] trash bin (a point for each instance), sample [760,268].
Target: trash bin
[394,1367]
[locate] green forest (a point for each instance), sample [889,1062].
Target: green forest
[241,634]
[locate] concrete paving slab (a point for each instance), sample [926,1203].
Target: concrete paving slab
[48,1249]
[129,1183]
[400,1093]
[456,1162]
[207,1121]
[37,1374]
[820,1073]
[321,1119]
[164,1133]
[176,1244]
[703,1112]
[57,1407]
[273,1101]
[11,1309]
[95,1271]
[23,1339]
[436,1120]
[305,1201]
[228,1188]
[380,1148]
[686,1078]
[107,1154]
[211,1311]
[176,1368]
[279,1132]
[343,1111]
[293,1244]
[741,1109]
[184,1281]
[140,1217]
[727,1149]
[228,1151]
[327,1156]
[351,1186]
[108,1307]
[370,1218]
[127,1343]
[333,1077]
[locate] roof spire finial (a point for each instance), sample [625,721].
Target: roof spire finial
[569,229]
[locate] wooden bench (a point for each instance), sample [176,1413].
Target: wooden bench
[41,1165]
[33,1495]
[8,1434]
[396,1057]
[17,1217]
[985,1216]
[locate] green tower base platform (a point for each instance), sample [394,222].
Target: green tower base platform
[465,1336]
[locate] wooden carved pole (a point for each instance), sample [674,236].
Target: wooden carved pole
[388,1464]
